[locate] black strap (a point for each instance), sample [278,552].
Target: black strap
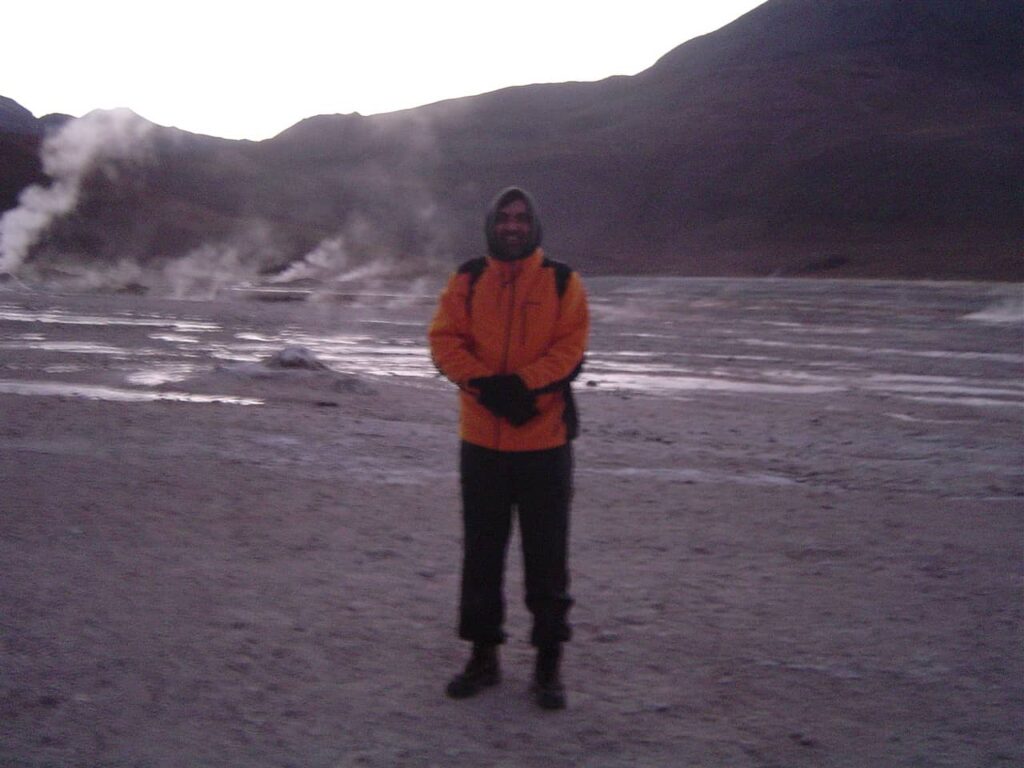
[562,274]
[475,267]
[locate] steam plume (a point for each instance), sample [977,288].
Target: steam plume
[68,156]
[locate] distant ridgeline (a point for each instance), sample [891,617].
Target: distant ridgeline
[853,138]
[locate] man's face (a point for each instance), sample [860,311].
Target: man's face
[512,227]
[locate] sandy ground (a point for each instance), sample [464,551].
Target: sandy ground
[765,575]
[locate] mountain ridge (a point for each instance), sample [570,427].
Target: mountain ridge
[856,139]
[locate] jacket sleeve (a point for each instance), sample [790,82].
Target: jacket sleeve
[451,345]
[562,362]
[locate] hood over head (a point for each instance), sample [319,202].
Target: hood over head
[505,197]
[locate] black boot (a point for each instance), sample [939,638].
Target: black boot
[481,672]
[548,691]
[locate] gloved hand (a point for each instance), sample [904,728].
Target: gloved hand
[506,396]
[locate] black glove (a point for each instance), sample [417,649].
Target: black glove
[506,396]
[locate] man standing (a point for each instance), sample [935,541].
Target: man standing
[510,330]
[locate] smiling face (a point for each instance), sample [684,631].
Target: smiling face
[513,224]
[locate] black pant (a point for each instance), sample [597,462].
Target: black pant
[539,485]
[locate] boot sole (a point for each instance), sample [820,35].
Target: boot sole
[460,688]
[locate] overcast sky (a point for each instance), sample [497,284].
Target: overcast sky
[249,69]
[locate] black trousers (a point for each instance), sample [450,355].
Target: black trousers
[538,486]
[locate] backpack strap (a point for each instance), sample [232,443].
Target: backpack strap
[562,273]
[570,414]
[474,268]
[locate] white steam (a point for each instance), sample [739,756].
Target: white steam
[1009,310]
[363,257]
[332,262]
[68,156]
[204,272]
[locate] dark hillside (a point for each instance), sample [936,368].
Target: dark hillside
[849,138]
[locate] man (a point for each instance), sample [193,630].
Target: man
[510,330]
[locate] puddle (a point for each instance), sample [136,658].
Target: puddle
[173,373]
[668,384]
[655,378]
[353,353]
[948,389]
[916,420]
[174,338]
[977,402]
[57,317]
[94,392]
[939,354]
[81,348]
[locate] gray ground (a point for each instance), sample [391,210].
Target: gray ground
[797,535]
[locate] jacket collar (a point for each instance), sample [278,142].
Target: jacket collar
[511,269]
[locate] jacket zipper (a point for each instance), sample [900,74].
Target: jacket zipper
[508,344]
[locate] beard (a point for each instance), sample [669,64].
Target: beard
[512,248]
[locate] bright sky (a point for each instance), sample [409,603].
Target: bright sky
[250,69]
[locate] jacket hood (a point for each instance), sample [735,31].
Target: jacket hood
[504,198]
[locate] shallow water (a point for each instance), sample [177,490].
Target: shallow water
[957,343]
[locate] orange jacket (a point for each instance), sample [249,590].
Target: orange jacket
[511,319]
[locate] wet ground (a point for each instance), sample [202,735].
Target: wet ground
[929,342]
